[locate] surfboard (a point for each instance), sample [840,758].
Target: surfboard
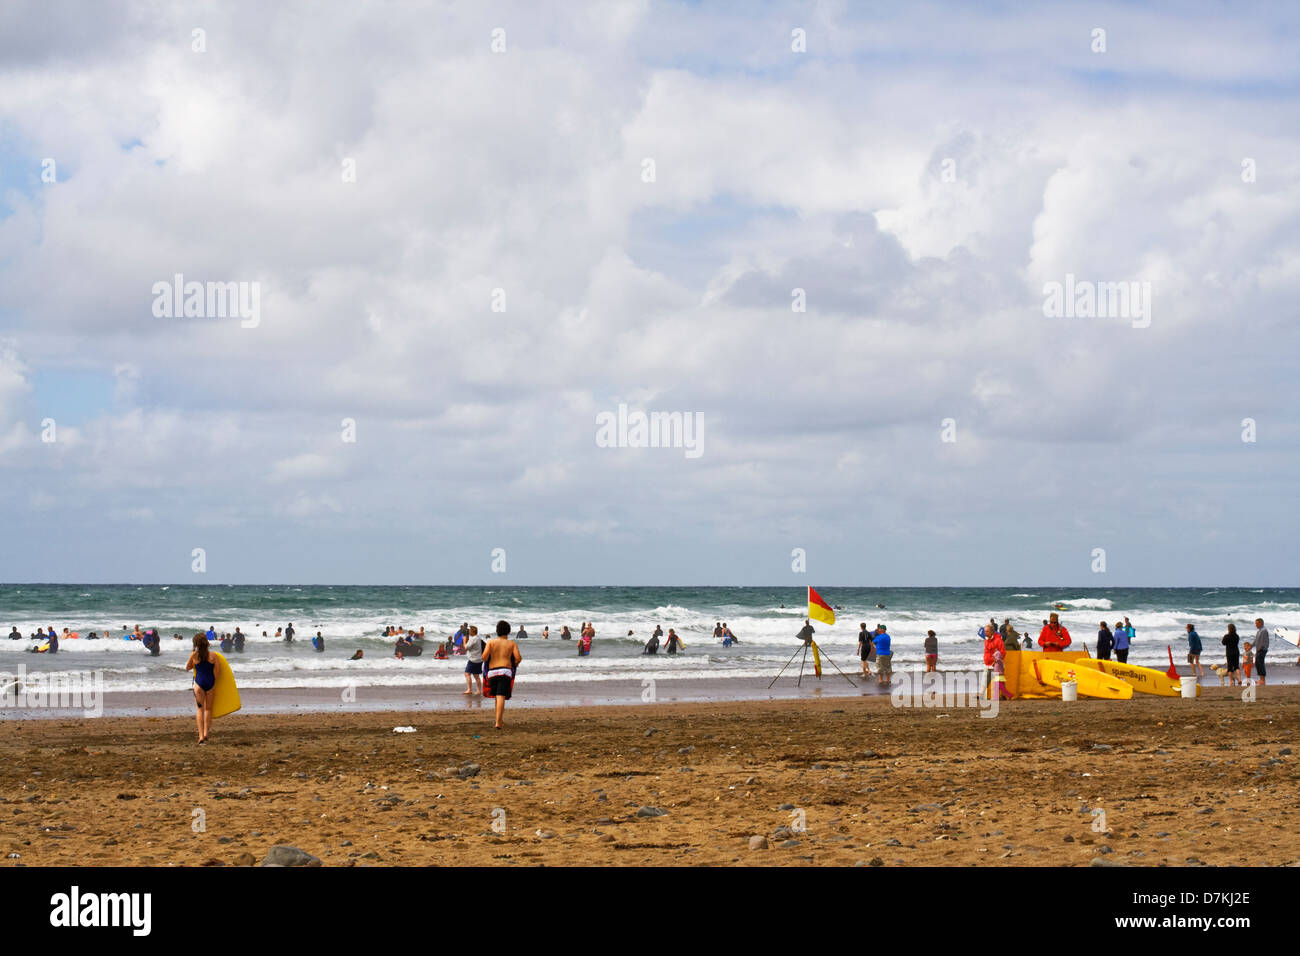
[1145,680]
[225,695]
[1092,683]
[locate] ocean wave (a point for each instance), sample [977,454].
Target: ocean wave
[1101,604]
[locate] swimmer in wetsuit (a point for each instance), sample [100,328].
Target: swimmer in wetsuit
[205,668]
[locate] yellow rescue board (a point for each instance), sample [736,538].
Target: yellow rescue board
[1092,683]
[1145,680]
[225,695]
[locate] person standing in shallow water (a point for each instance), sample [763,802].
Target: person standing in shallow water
[501,658]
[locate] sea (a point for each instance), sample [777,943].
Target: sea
[764,619]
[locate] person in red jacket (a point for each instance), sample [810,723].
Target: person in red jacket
[1054,637]
[992,644]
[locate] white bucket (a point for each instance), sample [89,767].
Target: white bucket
[1070,690]
[1189,686]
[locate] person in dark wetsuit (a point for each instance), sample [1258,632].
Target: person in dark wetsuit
[652,645]
[288,632]
[1231,643]
[318,642]
[54,642]
[15,635]
[239,641]
[205,668]
[674,642]
[227,642]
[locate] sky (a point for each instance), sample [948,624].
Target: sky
[822,231]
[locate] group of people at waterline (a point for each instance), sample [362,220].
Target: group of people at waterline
[876,647]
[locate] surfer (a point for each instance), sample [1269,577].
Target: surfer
[358,655]
[674,642]
[880,606]
[1054,637]
[652,645]
[15,635]
[318,642]
[288,633]
[520,634]
[205,667]
[239,641]
[501,660]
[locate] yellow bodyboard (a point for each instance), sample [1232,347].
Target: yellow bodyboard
[225,695]
[1145,680]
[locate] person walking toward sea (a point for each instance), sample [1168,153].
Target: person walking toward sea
[205,667]
[884,656]
[932,651]
[674,642]
[717,630]
[288,633]
[1233,653]
[501,660]
[1194,651]
[474,666]
[1261,648]
[1121,643]
[1054,636]
[520,634]
[652,645]
[864,648]
[1105,642]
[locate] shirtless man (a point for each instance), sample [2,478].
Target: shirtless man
[501,658]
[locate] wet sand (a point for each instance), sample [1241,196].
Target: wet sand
[1181,782]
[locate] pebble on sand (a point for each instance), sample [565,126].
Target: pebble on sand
[289,856]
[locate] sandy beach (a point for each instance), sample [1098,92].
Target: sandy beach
[856,780]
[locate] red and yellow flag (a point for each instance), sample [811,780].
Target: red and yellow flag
[819,609]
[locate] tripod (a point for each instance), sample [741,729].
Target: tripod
[803,660]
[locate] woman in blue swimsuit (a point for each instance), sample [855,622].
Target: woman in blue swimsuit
[205,667]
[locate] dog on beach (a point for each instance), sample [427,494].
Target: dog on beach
[1222,671]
